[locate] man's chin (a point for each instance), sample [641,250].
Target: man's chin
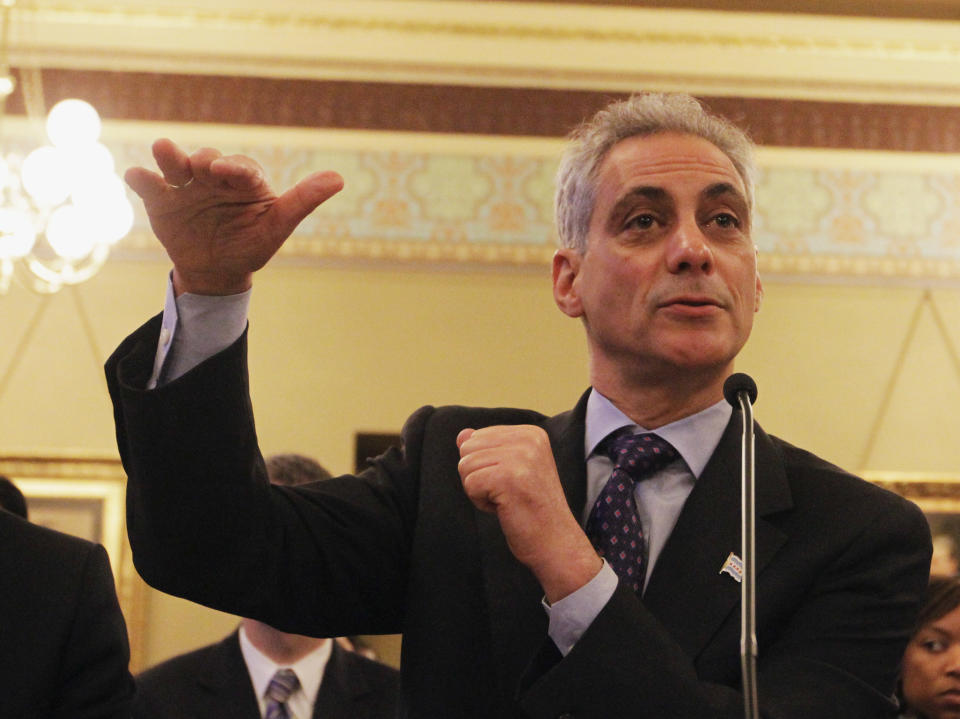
[700,357]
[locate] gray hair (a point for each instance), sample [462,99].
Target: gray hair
[292,469]
[640,115]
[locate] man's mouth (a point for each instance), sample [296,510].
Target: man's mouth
[690,301]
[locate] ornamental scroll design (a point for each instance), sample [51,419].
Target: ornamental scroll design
[453,207]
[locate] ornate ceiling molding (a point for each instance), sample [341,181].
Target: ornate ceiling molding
[510,44]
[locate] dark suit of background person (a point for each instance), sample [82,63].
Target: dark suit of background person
[212,683]
[63,641]
[411,544]
[215,681]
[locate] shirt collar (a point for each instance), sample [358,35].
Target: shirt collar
[309,669]
[694,437]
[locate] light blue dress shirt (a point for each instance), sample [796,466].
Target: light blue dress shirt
[659,500]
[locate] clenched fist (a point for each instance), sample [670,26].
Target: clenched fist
[509,470]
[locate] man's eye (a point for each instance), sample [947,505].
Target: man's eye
[641,222]
[725,220]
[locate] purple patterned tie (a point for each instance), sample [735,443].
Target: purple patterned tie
[283,684]
[614,524]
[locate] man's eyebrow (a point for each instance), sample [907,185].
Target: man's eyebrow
[649,192]
[723,188]
[645,192]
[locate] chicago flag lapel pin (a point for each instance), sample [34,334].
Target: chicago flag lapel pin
[733,566]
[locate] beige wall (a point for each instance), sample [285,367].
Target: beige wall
[338,350]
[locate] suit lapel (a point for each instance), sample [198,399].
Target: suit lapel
[225,683]
[518,623]
[687,592]
[566,433]
[341,690]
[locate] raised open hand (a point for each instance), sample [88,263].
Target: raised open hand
[217,217]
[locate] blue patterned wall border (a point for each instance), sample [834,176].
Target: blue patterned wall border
[488,201]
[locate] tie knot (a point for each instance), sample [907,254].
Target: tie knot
[282,685]
[639,455]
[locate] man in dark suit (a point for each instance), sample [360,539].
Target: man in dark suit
[481,537]
[214,681]
[63,641]
[232,678]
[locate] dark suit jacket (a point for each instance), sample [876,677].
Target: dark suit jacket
[841,569]
[63,641]
[213,682]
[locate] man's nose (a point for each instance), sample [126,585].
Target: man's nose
[688,249]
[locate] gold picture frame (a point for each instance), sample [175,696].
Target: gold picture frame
[938,495]
[932,492]
[85,497]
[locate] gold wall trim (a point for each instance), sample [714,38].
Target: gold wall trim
[872,268]
[438,255]
[510,44]
[424,252]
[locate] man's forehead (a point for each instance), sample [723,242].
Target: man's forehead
[642,160]
[655,193]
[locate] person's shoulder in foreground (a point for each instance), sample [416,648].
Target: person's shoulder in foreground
[64,652]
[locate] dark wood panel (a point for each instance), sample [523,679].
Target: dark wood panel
[477,110]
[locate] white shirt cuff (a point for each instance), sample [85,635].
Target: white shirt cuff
[571,616]
[194,328]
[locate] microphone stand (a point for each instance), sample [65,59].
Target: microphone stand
[748,595]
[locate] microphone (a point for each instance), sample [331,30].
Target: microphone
[741,391]
[737,383]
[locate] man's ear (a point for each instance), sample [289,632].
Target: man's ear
[566,270]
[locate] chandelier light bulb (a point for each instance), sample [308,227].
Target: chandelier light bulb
[70,236]
[73,122]
[45,176]
[115,221]
[62,206]
[105,209]
[99,192]
[91,159]
[17,235]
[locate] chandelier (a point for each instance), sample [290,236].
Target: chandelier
[62,205]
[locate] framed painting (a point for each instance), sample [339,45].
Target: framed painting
[85,497]
[372,444]
[938,495]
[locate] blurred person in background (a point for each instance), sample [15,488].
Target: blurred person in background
[261,672]
[930,685]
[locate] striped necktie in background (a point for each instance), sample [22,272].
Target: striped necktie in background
[283,684]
